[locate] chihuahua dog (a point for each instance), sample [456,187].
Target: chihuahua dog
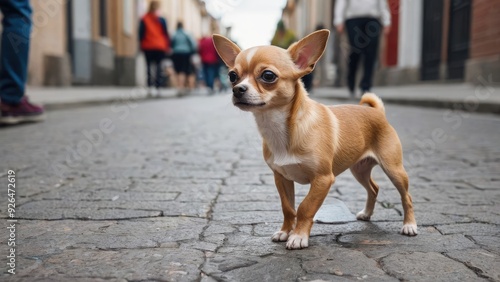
[310,143]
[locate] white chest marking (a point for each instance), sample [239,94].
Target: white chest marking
[273,128]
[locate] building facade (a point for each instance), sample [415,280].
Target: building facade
[442,41]
[95,42]
[429,41]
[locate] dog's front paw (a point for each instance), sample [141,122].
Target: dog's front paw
[296,241]
[363,215]
[280,236]
[409,230]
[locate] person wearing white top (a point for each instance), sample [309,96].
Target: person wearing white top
[363,20]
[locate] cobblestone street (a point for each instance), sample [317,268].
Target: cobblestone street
[177,190]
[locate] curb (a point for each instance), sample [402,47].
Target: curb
[473,107]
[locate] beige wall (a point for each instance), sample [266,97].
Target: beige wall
[304,15]
[48,36]
[124,44]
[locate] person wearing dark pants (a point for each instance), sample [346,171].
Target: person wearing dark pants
[210,61]
[155,43]
[14,104]
[363,36]
[364,21]
[154,59]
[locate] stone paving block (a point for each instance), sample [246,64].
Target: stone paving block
[247,206]
[199,174]
[222,263]
[347,262]
[491,217]
[491,243]
[433,218]
[484,263]
[484,184]
[86,214]
[249,197]
[79,184]
[166,186]
[62,278]
[219,227]
[131,264]
[243,180]
[470,229]
[325,277]
[200,245]
[334,212]
[186,209]
[55,209]
[451,208]
[47,237]
[248,189]
[268,269]
[247,245]
[113,172]
[419,266]
[217,239]
[267,179]
[70,204]
[258,163]
[378,245]
[105,195]
[193,181]
[37,184]
[249,217]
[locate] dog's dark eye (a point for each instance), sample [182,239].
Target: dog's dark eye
[268,76]
[233,77]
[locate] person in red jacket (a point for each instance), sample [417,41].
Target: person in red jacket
[155,43]
[210,61]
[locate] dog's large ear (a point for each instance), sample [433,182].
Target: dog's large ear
[227,49]
[306,52]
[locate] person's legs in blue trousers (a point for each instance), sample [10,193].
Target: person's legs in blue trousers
[15,49]
[14,106]
[209,74]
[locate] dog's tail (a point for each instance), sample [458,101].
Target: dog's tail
[373,101]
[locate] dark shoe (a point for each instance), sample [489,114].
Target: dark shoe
[22,112]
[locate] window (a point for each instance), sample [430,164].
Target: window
[128,24]
[103,25]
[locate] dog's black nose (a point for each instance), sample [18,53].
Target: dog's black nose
[239,90]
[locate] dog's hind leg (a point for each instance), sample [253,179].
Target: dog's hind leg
[362,172]
[398,176]
[391,160]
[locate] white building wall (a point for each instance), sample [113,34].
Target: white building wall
[410,33]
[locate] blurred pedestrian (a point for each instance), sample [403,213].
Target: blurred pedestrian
[155,43]
[308,79]
[184,47]
[14,105]
[210,61]
[363,21]
[283,37]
